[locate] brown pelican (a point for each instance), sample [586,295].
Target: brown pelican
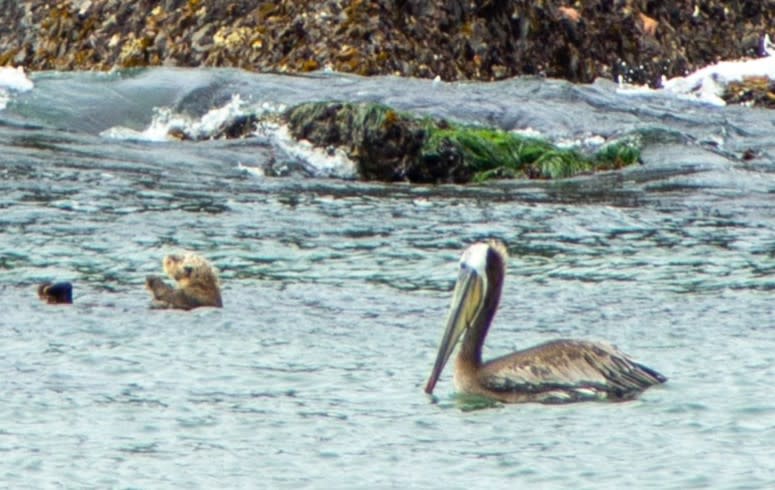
[559,371]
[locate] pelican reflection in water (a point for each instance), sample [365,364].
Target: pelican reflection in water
[559,371]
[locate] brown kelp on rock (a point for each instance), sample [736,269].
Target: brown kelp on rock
[753,91]
[639,40]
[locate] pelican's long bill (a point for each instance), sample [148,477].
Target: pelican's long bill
[467,300]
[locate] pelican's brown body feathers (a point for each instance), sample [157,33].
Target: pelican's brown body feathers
[559,371]
[555,372]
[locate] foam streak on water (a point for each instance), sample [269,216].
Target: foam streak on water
[335,292]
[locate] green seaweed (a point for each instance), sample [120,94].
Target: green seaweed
[618,154]
[492,153]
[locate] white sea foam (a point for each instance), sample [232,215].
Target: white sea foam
[323,162]
[12,80]
[708,84]
[527,132]
[590,141]
[15,79]
[250,170]
[168,125]
[164,124]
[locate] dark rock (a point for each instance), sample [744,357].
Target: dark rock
[445,164]
[383,143]
[239,127]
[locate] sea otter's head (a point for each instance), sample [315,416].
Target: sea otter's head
[57,293]
[190,270]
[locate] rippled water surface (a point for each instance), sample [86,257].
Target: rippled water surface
[335,292]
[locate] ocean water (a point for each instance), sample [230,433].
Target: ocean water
[335,291]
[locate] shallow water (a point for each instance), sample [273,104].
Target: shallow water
[335,292]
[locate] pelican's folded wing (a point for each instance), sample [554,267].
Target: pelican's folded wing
[567,371]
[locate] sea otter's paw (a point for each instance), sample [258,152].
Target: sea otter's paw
[155,283]
[157,286]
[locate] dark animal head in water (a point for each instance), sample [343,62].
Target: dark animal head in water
[57,293]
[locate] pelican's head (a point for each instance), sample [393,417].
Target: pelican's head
[482,266]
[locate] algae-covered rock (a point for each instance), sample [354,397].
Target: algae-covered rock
[388,145]
[638,40]
[382,142]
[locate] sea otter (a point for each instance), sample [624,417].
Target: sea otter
[197,283]
[56,293]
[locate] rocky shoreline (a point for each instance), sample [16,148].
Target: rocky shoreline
[636,41]
[639,41]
